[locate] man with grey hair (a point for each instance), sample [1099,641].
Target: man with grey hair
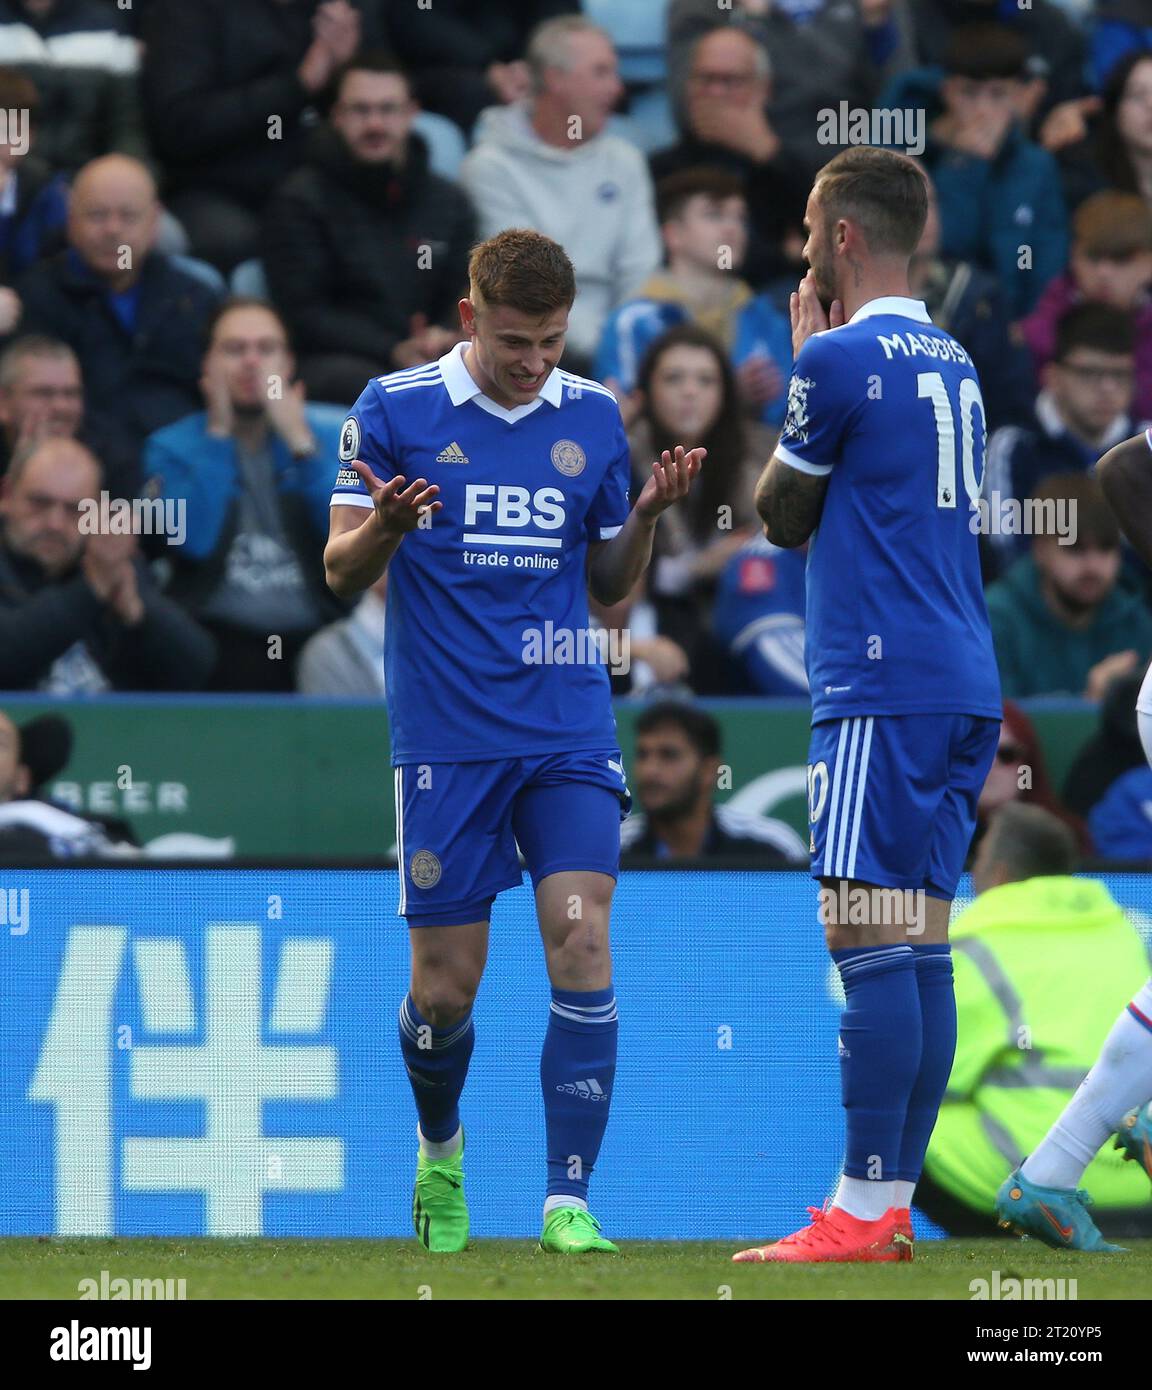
[550,165]
[42,397]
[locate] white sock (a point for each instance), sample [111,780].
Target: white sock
[446,1148]
[864,1199]
[561,1199]
[1120,1080]
[902,1193]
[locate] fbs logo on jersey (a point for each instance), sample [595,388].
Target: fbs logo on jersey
[350,440]
[452,454]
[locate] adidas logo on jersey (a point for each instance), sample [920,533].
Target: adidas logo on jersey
[590,1089]
[453,454]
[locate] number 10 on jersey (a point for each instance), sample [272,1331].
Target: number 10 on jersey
[931,384]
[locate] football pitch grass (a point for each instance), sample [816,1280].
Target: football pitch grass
[52,1268]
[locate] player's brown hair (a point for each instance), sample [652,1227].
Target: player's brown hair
[522,270]
[1112,225]
[884,192]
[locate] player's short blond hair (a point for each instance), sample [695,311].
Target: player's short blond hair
[522,270]
[882,190]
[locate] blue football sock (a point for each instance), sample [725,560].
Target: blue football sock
[879,1055]
[577,1067]
[938,1012]
[437,1062]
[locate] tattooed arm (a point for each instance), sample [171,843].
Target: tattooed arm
[789,502]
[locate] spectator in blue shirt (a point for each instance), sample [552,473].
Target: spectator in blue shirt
[33,201]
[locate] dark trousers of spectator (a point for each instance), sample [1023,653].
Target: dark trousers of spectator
[245,663]
[964,1222]
[220,230]
[339,377]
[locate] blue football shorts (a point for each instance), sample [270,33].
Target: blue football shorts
[892,798]
[458,826]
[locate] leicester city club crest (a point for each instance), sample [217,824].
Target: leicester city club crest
[796,423]
[350,440]
[568,457]
[425,869]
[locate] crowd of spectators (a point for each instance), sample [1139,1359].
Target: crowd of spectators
[219,220]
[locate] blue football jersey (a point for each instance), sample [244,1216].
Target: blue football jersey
[889,408]
[487,648]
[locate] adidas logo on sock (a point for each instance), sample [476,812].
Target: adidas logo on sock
[452,454]
[589,1090]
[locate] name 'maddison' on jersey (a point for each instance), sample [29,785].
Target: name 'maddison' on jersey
[888,406]
[487,646]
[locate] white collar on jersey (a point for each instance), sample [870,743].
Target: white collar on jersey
[893,304]
[462,387]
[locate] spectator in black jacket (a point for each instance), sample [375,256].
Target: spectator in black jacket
[78,612]
[229,91]
[675,771]
[729,86]
[134,319]
[365,249]
[464,56]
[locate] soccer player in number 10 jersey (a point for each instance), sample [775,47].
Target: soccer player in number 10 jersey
[879,465]
[493,486]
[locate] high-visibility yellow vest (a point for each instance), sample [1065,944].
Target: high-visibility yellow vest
[1043,968]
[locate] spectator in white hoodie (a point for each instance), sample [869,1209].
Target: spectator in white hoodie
[549,164]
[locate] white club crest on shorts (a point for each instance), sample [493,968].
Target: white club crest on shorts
[796,423]
[350,440]
[424,868]
[568,457]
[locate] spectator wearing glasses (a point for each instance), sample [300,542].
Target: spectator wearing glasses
[726,125]
[1084,408]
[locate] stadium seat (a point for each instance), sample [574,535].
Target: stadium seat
[446,145]
[638,31]
[205,273]
[248,279]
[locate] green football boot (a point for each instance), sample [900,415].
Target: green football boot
[574,1231]
[439,1209]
